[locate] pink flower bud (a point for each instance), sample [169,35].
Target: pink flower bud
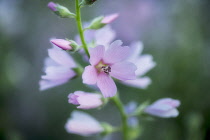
[85,100]
[110,18]
[164,108]
[52,6]
[83,124]
[61,43]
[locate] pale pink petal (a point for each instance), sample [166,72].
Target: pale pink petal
[110,18]
[116,53]
[61,43]
[104,36]
[136,49]
[139,82]
[83,124]
[106,85]
[61,57]
[123,71]
[58,73]
[144,64]
[96,54]
[46,84]
[73,99]
[89,75]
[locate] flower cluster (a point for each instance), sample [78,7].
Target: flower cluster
[109,61]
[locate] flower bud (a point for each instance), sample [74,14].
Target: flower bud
[85,100]
[60,10]
[88,2]
[61,43]
[101,21]
[83,124]
[164,108]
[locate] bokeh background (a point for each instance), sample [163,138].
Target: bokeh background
[175,32]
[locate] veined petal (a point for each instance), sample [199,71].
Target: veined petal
[123,71]
[61,57]
[116,53]
[139,82]
[144,64]
[106,85]
[96,54]
[90,75]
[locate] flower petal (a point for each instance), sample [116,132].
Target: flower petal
[96,54]
[123,71]
[106,85]
[144,64]
[90,75]
[136,49]
[61,57]
[116,53]
[139,82]
[46,84]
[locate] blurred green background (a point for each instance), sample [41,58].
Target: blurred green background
[175,32]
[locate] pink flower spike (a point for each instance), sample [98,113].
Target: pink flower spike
[164,108]
[61,43]
[110,18]
[85,100]
[83,124]
[52,6]
[107,63]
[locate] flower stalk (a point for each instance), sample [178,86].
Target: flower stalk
[80,27]
[123,115]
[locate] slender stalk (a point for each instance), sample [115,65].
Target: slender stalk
[124,116]
[80,27]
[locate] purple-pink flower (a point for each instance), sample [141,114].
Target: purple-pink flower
[85,100]
[61,43]
[144,63]
[107,63]
[83,124]
[58,68]
[164,108]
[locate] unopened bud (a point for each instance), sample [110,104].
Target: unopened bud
[101,21]
[61,43]
[60,10]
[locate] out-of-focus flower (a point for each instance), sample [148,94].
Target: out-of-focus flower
[129,109]
[103,36]
[83,124]
[144,63]
[58,68]
[85,100]
[106,63]
[52,6]
[61,43]
[164,108]
[101,21]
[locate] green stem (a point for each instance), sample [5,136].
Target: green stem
[80,27]
[124,116]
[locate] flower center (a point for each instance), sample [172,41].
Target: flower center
[106,69]
[101,67]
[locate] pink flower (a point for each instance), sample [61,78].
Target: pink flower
[58,68]
[110,18]
[83,124]
[164,108]
[61,43]
[52,6]
[85,100]
[106,63]
[144,63]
